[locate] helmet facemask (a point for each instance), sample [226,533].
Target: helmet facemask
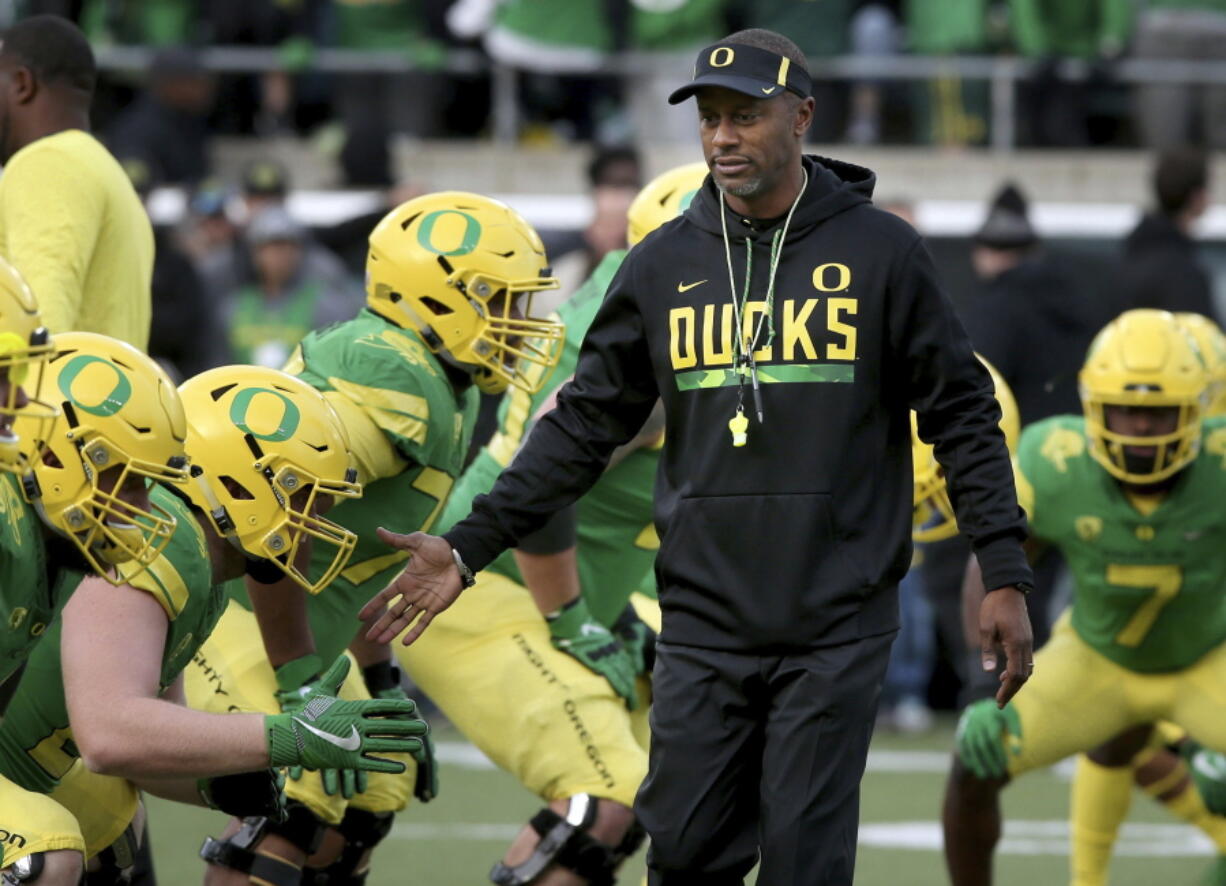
[1171,451]
[23,363]
[113,522]
[932,514]
[273,516]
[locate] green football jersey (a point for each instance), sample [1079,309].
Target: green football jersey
[1149,589]
[617,540]
[390,374]
[36,746]
[25,590]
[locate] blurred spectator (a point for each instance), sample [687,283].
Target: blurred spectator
[1160,266]
[669,35]
[208,229]
[373,106]
[562,46]
[167,127]
[265,183]
[148,23]
[1174,114]
[615,177]
[950,110]
[186,335]
[265,186]
[904,693]
[1055,110]
[821,30]
[284,298]
[70,220]
[1030,321]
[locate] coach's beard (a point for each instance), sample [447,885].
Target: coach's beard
[747,188]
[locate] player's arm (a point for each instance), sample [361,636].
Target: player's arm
[123,728]
[52,216]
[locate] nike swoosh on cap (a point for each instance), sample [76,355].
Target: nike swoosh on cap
[686,287]
[769,89]
[351,743]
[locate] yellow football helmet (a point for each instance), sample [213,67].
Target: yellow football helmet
[266,450]
[1212,345]
[662,199]
[122,426]
[461,269]
[932,517]
[1144,358]
[24,346]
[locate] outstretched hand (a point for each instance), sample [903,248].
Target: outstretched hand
[429,584]
[1003,621]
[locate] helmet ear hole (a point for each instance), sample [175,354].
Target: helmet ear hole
[435,306]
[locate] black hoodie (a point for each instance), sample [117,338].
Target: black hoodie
[799,538]
[1162,270]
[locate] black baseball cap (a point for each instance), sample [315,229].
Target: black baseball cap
[748,69]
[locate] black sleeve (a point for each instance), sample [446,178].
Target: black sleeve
[951,393]
[602,407]
[557,535]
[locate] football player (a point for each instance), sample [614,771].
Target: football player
[144,590]
[538,667]
[450,278]
[1152,756]
[1128,492]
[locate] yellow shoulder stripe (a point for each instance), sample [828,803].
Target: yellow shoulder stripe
[362,572]
[406,415]
[161,580]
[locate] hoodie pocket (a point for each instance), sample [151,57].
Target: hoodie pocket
[757,549]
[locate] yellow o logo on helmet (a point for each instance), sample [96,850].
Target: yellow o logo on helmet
[283,428]
[721,56]
[468,238]
[112,402]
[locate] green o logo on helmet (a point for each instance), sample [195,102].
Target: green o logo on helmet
[468,242]
[686,198]
[284,426]
[112,402]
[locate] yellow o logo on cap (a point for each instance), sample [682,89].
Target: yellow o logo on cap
[717,60]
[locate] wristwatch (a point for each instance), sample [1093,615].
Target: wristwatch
[466,575]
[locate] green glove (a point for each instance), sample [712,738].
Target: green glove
[1208,770]
[246,794]
[296,680]
[982,735]
[383,680]
[576,632]
[328,733]
[638,639]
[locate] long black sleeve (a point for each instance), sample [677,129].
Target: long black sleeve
[951,392]
[611,395]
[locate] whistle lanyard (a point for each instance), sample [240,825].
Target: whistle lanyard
[745,345]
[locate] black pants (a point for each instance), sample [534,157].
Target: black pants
[752,751]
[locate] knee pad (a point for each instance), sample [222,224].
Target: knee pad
[115,863]
[24,870]
[566,843]
[237,853]
[362,831]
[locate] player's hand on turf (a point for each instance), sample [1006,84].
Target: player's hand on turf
[1208,770]
[1003,621]
[429,584]
[638,639]
[328,733]
[246,794]
[574,630]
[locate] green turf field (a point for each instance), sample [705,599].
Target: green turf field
[452,841]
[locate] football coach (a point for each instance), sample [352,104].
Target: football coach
[789,327]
